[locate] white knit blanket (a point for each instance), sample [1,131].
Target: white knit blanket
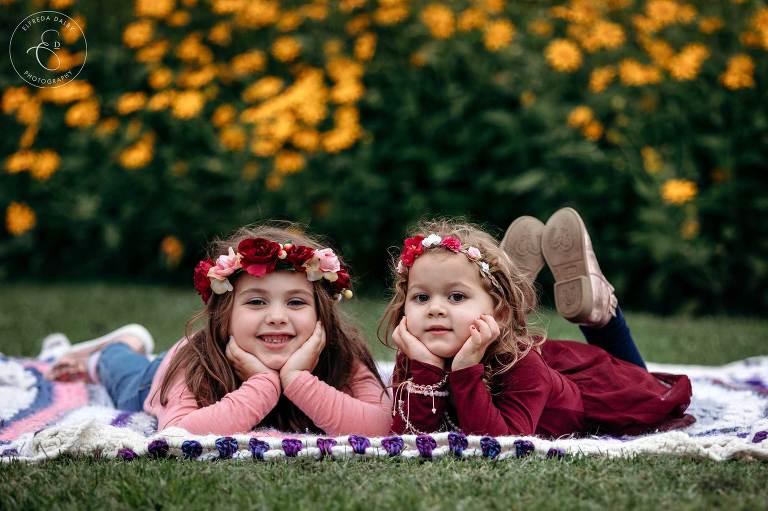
[729,402]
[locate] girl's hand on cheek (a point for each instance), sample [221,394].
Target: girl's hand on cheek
[482,333]
[305,358]
[412,347]
[244,363]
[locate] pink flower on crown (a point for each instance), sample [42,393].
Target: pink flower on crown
[225,266]
[328,260]
[474,253]
[451,243]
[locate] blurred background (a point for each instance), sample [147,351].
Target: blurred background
[355,118]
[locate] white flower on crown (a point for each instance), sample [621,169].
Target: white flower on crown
[431,241]
[484,266]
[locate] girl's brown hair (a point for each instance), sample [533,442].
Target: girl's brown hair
[512,293]
[208,373]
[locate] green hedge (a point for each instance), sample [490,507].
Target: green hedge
[650,117]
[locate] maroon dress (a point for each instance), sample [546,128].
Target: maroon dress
[571,387]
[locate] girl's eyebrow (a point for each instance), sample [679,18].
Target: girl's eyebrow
[262,291]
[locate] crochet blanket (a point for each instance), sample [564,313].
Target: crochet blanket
[40,420]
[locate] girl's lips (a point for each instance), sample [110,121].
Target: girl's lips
[275,341]
[438,331]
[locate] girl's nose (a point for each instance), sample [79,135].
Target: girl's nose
[436,309]
[276,316]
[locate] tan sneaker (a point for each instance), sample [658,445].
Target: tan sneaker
[522,243]
[582,294]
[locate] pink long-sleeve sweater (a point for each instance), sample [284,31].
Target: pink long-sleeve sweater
[364,409]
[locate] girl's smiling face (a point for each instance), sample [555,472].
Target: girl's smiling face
[445,295]
[273,315]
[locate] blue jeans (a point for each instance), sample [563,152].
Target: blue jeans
[616,339]
[127,375]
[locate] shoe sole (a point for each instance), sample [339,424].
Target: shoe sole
[522,243]
[133,329]
[563,247]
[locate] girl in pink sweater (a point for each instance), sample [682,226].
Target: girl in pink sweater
[274,350]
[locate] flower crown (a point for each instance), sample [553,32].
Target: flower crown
[415,246]
[259,256]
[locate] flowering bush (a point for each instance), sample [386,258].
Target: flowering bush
[359,116]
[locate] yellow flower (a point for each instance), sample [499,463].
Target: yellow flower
[45,164]
[63,60]
[634,73]
[492,6]
[690,228]
[70,36]
[139,154]
[19,161]
[62,4]
[308,140]
[286,48]
[663,12]
[593,130]
[221,33]
[264,147]
[160,78]
[258,13]
[678,191]
[660,51]
[686,64]
[192,49]
[153,52]
[580,116]
[138,33]
[28,137]
[347,6]
[30,112]
[527,98]
[358,24]
[262,89]
[347,91]
[196,78]
[289,162]
[14,97]
[686,13]
[75,90]
[249,62]
[541,28]
[232,137]
[274,181]
[601,78]
[154,8]
[131,102]
[83,114]
[365,46]
[107,126]
[340,69]
[498,34]
[19,218]
[223,114]
[315,11]
[711,24]
[651,160]
[390,13]
[471,19]
[289,21]
[187,104]
[172,249]
[250,171]
[179,19]
[739,74]
[439,20]
[563,55]
[161,100]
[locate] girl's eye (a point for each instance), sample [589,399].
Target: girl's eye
[256,301]
[421,297]
[296,302]
[456,297]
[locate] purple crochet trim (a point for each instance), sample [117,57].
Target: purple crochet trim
[759,437]
[523,448]
[556,452]
[325,445]
[393,445]
[291,446]
[359,443]
[227,446]
[425,444]
[490,447]
[258,448]
[191,449]
[457,442]
[127,454]
[158,448]
[121,420]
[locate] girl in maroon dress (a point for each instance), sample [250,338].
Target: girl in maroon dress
[468,361]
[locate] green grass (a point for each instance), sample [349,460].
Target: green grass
[28,312]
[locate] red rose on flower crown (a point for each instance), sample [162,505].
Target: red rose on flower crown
[415,246]
[259,256]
